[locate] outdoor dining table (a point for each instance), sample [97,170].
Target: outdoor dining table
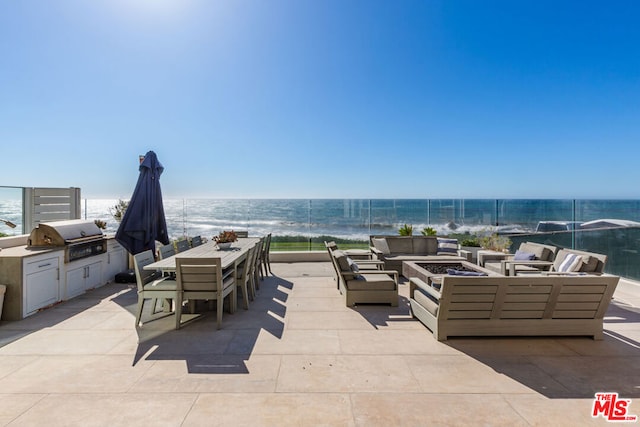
[230,258]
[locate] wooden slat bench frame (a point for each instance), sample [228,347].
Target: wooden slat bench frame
[515,306]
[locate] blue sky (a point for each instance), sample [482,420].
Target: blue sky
[323,98]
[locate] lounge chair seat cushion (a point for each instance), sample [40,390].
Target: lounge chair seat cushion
[366,282]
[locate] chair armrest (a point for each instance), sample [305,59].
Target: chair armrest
[377,252]
[414,283]
[484,256]
[368,262]
[392,273]
[512,264]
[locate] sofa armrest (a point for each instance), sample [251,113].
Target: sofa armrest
[509,265]
[467,255]
[414,283]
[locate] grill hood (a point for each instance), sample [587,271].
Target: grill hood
[62,233]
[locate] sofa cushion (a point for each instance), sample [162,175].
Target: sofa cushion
[539,251]
[447,246]
[342,260]
[353,266]
[368,282]
[571,262]
[523,256]
[425,245]
[400,244]
[381,245]
[589,264]
[454,272]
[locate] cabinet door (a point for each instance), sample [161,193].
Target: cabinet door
[41,289]
[93,277]
[116,262]
[75,282]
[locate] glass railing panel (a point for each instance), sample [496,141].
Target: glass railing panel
[590,210]
[523,215]
[388,215]
[286,219]
[345,221]
[303,224]
[11,211]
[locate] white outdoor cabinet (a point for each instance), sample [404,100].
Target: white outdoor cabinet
[41,282]
[81,275]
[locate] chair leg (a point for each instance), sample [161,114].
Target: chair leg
[245,296]
[178,311]
[256,277]
[139,314]
[219,311]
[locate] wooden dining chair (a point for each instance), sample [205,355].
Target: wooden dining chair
[244,276]
[203,279]
[266,262]
[182,245]
[257,270]
[166,251]
[151,284]
[196,241]
[242,233]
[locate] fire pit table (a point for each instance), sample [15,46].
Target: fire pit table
[431,272]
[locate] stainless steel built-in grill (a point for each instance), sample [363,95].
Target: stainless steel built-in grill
[80,238]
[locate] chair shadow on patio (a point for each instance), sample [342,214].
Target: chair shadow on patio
[204,348]
[572,367]
[382,315]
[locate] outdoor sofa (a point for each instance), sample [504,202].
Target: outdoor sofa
[545,259]
[531,305]
[393,250]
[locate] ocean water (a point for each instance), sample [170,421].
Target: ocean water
[352,218]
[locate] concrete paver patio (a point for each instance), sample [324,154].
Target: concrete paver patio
[298,356]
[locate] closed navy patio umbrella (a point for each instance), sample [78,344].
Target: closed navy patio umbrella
[143,222]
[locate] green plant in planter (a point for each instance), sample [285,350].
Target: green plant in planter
[472,241]
[429,231]
[495,242]
[406,230]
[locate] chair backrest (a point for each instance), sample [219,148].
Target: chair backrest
[242,233]
[249,264]
[267,245]
[144,276]
[167,250]
[196,241]
[182,245]
[259,250]
[199,274]
[331,248]
[541,251]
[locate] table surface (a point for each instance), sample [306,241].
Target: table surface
[229,257]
